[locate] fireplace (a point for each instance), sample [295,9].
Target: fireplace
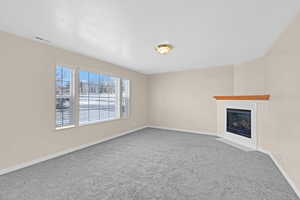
[238,121]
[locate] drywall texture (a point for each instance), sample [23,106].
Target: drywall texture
[249,78]
[280,131]
[27,101]
[184,100]
[283,83]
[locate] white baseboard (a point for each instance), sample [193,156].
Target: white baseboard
[283,172]
[183,130]
[235,144]
[58,154]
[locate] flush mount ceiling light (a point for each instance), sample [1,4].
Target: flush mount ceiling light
[163,48]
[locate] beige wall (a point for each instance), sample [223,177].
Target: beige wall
[184,100]
[280,132]
[249,78]
[283,83]
[27,116]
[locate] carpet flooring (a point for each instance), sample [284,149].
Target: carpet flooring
[152,164]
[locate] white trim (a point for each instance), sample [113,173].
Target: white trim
[72,96]
[64,127]
[283,172]
[58,154]
[235,144]
[98,121]
[183,130]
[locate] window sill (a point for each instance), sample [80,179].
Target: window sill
[65,127]
[91,123]
[100,121]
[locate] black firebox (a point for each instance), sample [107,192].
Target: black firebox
[239,122]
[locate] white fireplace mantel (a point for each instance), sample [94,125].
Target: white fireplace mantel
[255,103]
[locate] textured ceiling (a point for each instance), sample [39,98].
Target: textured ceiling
[204,32]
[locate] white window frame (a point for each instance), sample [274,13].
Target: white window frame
[72,96]
[76,97]
[129,99]
[118,98]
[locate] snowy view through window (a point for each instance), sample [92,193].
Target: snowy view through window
[98,97]
[64,97]
[125,98]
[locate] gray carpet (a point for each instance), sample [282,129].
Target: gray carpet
[151,164]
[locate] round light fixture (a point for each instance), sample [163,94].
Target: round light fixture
[163,48]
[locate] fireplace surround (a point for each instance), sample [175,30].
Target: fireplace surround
[237,122]
[242,118]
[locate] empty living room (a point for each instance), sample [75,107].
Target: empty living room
[150,100]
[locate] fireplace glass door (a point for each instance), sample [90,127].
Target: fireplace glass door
[239,122]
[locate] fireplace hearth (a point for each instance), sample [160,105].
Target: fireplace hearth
[239,122]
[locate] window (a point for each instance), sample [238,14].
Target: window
[125,95]
[64,97]
[98,98]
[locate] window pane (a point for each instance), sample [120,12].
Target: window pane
[94,115]
[59,87]
[64,97]
[84,102]
[63,103]
[67,74]
[58,73]
[67,116]
[94,107]
[93,79]
[102,98]
[66,88]
[83,81]
[105,97]
[98,98]
[84,116]
[59,120]
[93,97]
[83,97]
[113,98]
[125,98]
